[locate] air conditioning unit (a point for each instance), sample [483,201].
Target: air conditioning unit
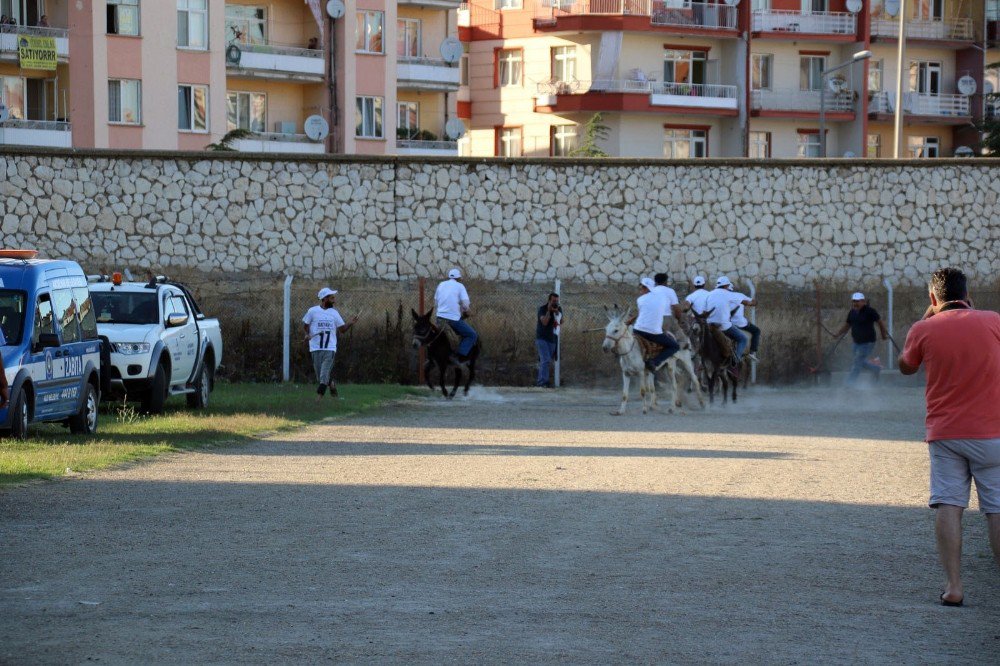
[284,127]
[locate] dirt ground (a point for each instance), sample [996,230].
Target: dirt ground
[517,526]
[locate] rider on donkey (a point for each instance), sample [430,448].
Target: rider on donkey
[720,307]
[452,304]
[648,323]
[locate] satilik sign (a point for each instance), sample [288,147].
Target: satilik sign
[36,52]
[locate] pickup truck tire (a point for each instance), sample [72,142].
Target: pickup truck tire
[85,423]
[202,389]
[19,416]
[156,395]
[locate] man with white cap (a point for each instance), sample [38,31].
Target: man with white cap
[696,300]
[861,320]
[648,323]
[739,318]
[720,306]
[321,324]
[453,306]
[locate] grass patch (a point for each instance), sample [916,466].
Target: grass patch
[237,413]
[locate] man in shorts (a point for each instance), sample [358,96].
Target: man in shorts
[959,348]
[321,325]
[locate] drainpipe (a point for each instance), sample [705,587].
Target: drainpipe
[888,343]
[286,331]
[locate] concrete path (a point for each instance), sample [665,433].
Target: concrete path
[516,526]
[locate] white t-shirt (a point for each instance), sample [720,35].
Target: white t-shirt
[449,299]
[650,319]
[669,297]
[739,318]
[720,303]
[323,325]
[698,298]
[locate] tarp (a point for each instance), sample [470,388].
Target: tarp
[317,12]
[37,52]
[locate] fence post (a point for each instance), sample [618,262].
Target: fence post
[819,329]
[889,356]
[558,363]
[422,353]
[286,331]
[753,320]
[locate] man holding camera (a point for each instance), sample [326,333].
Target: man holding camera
[546,337]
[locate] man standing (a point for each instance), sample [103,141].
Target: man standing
[720,307]
[453,307]
[547,323]
[861,320]
[960,350]
[648,323]
[321,324]
[697,299]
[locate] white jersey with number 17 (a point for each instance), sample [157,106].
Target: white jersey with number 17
[323,325]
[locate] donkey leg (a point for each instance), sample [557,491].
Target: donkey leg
[472,374]
[693,381]
[458,381]
[625,383]
[428,366]
[443,377]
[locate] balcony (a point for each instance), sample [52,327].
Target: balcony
[275,142]
[427,148]
[923,108]
[9,34]
[695,15]
[627,94]
[269,61]
[426,74]
[433,4]
[791,24]
[45,133]
[674,16]
[948,30]
[799,103]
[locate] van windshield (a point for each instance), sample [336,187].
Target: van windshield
[12,316]
[125,307]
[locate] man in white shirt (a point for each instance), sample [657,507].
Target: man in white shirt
[451,301]
[321,324]
[719,306]
[673,308]
[696,300]
[740,321]
[648,323]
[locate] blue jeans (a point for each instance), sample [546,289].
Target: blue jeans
[546,354]
[739,339]
[669,344]
[861,353]
[467,333]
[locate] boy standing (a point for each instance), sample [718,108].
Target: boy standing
[321,324]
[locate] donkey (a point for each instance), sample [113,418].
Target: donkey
[439,353]
[716,360]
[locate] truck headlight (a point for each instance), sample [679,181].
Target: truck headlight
[130,348]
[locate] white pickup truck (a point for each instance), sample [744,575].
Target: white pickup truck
[161,342]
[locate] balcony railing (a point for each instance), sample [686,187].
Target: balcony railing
[695,15]
[416,144]
[427,73]
[278,142]
[661,13]
[9,33]
[47,133]
[637,86]
[958,29]
[922,104]
[596,8]
[992,109]
[816,23]
[800,100]
[277,49]
[278,61]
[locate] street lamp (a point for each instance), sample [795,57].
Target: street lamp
[857,57]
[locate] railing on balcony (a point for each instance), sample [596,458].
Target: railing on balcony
[815,23]
[800,100]
[992,108]
[420,60]
[694,14]
[47,133]
[47,125]
[637,86]
[278,49]
[417,144]
[953,28]
[595,8]
[922,104]
[38,31]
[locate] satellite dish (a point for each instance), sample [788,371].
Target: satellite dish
[849,154]
[454,129]
[964,151]
[967,85]
[732,3]
[854,6]
[836,85]
[892,7]
[451,49]
[335,9]
[233,55]
[317,128]
[4,113]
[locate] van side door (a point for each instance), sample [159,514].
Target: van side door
[187,339]
[39,362]
[68,358]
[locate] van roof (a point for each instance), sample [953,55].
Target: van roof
[27,274]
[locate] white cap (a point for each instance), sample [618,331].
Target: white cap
[723,281]
[324,292]
[648,283]
[454,274]
[699,281]
[857,296]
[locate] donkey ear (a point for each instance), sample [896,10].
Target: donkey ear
[414,313]
[428,315]
[628,312]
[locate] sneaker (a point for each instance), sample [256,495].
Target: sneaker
[333,392]
[753,357]
[651,367]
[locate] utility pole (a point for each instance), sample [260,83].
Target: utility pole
[897,144]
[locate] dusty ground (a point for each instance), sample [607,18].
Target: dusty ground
[518,526]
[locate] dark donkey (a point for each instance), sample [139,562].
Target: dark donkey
[715,360]
[439,353]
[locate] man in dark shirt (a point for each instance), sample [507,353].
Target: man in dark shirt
[861,320]
[548,320]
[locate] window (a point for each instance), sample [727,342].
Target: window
[684,66]
[810,70]
[369,32]
[875,76]
[925,77]
[923,146]
[123,17]
[192,108]
[509,67]
[88,320]
[408,38]
[192,24]
[760,145]
[12,315]
[809,144]
[761,71]
[12,94]
[508,4]
[564,63]
[45,321]
[65,311]
[246,110]
[407,120]
[509,142]
[564,140]
[463,70]
[246,25]
[369,120]
[175,304]
[874,146]
[684,143]
[125,102]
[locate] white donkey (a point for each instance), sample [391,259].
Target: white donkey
[619,339]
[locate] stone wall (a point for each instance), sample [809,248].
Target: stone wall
[524,220]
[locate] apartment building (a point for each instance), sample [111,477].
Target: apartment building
[683,78]
[180,74]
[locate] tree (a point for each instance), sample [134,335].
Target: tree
[989,127]
[593,132]
[226,142]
